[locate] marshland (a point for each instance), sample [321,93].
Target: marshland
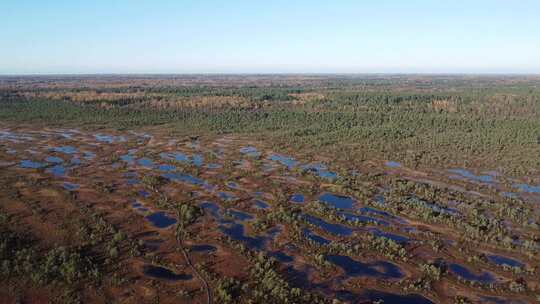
[270,189]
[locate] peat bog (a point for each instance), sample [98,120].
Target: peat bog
[270,189]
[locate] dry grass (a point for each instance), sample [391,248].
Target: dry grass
[444,106]
[197,102]
[302,98]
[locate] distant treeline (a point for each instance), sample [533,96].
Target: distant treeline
[497,120]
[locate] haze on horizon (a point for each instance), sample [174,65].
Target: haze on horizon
[417,36]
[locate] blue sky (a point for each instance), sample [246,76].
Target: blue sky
[389,36]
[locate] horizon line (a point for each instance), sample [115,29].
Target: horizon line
[273,73]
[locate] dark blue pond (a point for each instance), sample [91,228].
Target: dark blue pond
[28,164]
[89,155]
[178,156]
[527,188]
[239,215]
[379,269]
[236,232]
[495,300]
[468,175]
[70,186]
[319,170]
[233,185]
[162,273]
[298,278]
[390,298]
[160,219]
[314,237]
[337,201]
[184,178]
[226,196]
[213,166]
[260,204]
[327,174]
[379,199]
[281,256]
[128,158]
[272,232]
[209,188]
[394,237]
[211,208]
[57,170]
[335,229]
[54,159]
[65,150]
[197,160]
[250,151]
[144,193]
[203,248]
[132,181]
[289,162]
[131,174]
[297,198]
[66,135]
[501,260]
[392,164]
[109,138]
[466,274]
[145,162]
